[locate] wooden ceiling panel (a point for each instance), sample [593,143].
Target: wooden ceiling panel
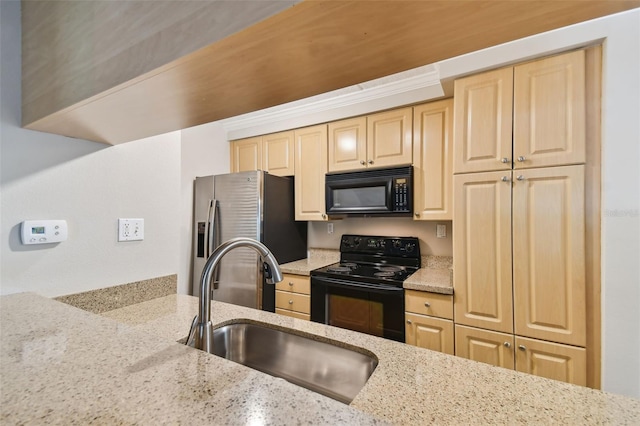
[308,49]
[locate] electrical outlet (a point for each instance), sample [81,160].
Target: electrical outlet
[130,229]
[441,231]
[329,228]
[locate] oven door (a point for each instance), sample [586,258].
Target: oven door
[367,308]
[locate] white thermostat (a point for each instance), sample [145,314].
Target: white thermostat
[43,231]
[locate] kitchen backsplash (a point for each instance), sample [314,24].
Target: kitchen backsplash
[383,226]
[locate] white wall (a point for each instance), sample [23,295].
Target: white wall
[204,152]
[91,185]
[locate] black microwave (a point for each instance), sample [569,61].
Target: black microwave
[379,192]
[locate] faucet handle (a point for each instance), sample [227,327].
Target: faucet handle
[192,332]
[268,275]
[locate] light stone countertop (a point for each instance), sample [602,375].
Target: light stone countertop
[431,280]
[68,366]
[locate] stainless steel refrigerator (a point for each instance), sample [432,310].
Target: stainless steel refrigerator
[251,204]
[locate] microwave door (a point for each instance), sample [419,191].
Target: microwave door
[364,197]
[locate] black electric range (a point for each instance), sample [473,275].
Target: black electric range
[363,292]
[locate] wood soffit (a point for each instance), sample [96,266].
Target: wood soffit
[311,48]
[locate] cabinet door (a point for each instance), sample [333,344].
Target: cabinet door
[429,333]
[485,346]
[483,121]
[552,360]
[482,250]
[311,166]
[246,154]
[277,153]
[549,111]
[348,144]
[433,160]
[389,137]
[549,254]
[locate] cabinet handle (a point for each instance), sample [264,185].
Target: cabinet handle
[507,344]
[505,160]
[409,322]
[291,302]
[370,161]
[363,162]
[505,179]
[427,304]
[290,283]
[522,347]
[520,177]
[521,159]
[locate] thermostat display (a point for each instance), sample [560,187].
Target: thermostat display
[43,231]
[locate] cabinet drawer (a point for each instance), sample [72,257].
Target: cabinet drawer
[294,283]
[293,314]
[293,301]
[433,304]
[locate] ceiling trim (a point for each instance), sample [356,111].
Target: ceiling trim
[416,85]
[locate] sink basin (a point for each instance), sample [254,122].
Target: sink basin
[331,370]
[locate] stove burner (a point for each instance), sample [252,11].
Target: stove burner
[349,265]
[384,274]
[390,268]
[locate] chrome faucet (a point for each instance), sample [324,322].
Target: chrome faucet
[202,327]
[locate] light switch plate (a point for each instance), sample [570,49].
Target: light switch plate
[130,229]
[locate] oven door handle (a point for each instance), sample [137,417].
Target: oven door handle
[346,284]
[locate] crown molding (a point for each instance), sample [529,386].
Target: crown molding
[416,85]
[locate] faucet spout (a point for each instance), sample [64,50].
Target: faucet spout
[203,332]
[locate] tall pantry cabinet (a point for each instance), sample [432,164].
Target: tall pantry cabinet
[519,217]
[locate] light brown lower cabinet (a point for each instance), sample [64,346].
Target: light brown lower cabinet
[552,360]
[545,359]
[429,333]
[293,296]
[429,322]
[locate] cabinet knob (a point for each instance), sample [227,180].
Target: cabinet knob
[520,177]
[505,160]
[522,347]
[507,344]
[291,302]
[417,214]
[521,159]
[505,179]
[409,322]
[427,304]
[324,216]
[290,284]
[370,161]
[363,162]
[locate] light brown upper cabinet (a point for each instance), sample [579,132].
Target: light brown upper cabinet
[246,154]
[348,144]
[311,166]
[541,102]
[377,140]
[433,160]
[273,153]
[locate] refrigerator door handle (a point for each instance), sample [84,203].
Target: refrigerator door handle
[214,238]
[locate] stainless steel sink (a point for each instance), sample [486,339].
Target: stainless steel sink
[328,369]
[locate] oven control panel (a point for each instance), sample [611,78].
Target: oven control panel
[387,246]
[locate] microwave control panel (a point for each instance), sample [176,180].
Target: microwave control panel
[401,195]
